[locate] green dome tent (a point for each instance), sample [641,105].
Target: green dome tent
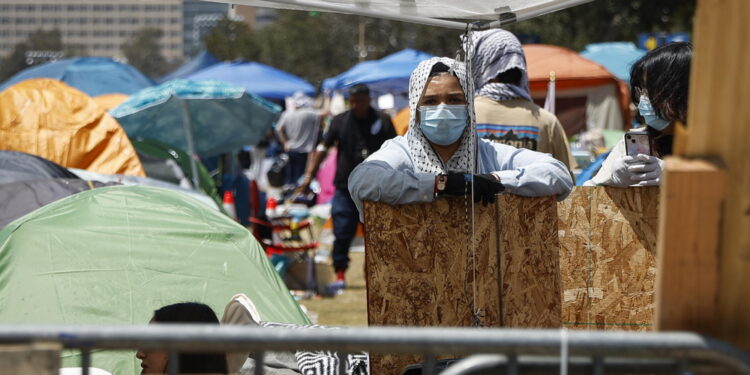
[113,255]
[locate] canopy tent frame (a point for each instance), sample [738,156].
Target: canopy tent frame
[505,15]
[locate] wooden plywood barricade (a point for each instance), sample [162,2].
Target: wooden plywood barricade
[421,270]
[608,257]
[585,263]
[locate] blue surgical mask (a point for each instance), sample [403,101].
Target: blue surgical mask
[647,111]
[443,124]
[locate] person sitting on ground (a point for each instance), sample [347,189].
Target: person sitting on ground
[505,110]
[659,84]
[155,362]
[440,154]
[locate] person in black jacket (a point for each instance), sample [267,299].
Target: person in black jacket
[356,133]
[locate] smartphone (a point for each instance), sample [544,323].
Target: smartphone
[638,142]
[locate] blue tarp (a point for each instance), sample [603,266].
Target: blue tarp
[201,61]
[256,78]
[387,75]
[92,75]
[617,57]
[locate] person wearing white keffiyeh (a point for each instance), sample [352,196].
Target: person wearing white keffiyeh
[504,108]
[434,159]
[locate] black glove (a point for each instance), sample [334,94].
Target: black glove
[486,186]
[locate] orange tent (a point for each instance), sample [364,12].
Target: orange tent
[587,94]
[110,101]
[48,118]
[401,121]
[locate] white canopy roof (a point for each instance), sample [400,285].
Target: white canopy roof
[431,12]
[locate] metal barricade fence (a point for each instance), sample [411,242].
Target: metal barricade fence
[513,350]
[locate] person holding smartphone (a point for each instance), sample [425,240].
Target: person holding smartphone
[659,86]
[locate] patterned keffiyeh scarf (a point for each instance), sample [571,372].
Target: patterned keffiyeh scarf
[497,51]
[426,160]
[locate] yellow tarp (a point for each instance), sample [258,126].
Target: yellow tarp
[48,118]
[110,101]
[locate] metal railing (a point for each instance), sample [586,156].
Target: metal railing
[514,350]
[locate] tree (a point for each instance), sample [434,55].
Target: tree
[609,20]
[316,45]
[143,52]
[39,40]
[230,40]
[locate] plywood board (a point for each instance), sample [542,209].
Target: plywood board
[421,269]
[608,257]
[530,262]
[624,225]
[574,231]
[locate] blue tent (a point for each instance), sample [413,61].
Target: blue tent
[387,75]
[256,78]
[92,75]
[617,57]
[201,61]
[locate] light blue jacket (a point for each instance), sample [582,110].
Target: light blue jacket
[389,175]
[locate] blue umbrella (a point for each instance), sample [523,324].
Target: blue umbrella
[387,75]
[92,75]
[205,118]
[199,62]
[256,78]
[617,57]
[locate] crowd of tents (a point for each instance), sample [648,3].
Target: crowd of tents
[108,212]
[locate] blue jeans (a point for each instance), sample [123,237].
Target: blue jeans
[345,218]
[296,166]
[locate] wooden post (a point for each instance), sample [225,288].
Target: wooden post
[718,127]
[688,262]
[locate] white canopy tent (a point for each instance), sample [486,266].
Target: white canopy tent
[443,13]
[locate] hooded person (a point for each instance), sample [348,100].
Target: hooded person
[441,155]
[504,108]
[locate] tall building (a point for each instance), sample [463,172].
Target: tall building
[198,18]
[101,27]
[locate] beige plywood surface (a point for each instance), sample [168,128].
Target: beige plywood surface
[421,269]
[530,262]
[608,257]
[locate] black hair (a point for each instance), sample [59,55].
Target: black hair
[665,74]
[511,76]
[193,312]
[359,88]
[439,68]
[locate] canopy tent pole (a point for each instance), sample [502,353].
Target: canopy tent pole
[190,144]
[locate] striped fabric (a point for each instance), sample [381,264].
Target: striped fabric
[325,362]
[486,130]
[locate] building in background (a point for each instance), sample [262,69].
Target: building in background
[256,18]
[198,18]
[99,27]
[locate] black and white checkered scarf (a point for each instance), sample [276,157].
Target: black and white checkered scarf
[426,160]
[497,51]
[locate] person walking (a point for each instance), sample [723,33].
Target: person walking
[298,131]
[356,133]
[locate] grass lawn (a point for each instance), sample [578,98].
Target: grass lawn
[349,308]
